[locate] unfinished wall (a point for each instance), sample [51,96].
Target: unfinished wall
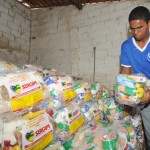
[51,39]
[14,32]
[64,38]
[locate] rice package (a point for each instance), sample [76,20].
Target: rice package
[21,90]
[129,89]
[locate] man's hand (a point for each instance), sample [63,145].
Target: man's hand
[146,97]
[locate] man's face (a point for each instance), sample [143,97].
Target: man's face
[139,29]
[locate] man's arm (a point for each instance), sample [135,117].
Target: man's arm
[126,70]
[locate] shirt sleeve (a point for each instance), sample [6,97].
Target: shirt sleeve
[124,59]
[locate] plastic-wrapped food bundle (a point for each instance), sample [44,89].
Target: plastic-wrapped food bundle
[91,112]
[105,93]
[112,110]
[138,128]
[21,90]
[77,139]
[50,72]
[83,90]
[103,138]
[110,140]
[7,67]
[69,119]
[26,132]
[127,131]
[45,106]
[33,67]
[60,88]
[129,89]
[55,145]
[96,90]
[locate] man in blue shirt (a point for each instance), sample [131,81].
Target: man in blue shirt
[135,56]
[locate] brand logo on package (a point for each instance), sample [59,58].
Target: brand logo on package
[148,56]
[16,88]
[30,136]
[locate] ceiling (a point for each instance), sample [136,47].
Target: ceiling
[32,4]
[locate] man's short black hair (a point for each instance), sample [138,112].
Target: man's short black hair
[139,13]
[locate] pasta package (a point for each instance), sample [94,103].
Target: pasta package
[21,90]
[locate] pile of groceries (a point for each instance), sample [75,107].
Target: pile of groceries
[49,110]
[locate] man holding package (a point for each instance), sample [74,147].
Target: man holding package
[135,57]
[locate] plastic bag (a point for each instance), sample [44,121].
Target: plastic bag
[7,67]
[69,119]
[96,90]
[31,131]
[83,90]
[112,110]
[61,87]
[104,138]
[21,90]
[129,89]
[91,112]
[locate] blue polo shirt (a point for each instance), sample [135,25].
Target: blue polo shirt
[134,56]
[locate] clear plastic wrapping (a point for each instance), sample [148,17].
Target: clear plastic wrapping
[60,87]
[21,90]
[68,119]
[28,131]
[129,89]
[83,90]
[7,67]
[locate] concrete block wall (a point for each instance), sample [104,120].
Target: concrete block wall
[64,38]
[50,38]
[15,21]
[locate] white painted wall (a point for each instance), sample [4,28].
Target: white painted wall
[14,32]
[63,38]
